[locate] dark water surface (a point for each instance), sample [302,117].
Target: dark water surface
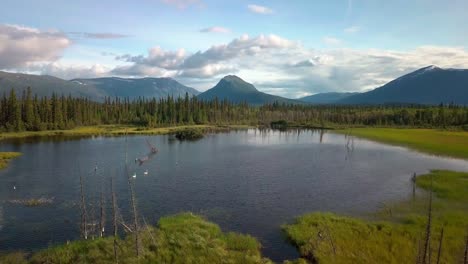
[247,181]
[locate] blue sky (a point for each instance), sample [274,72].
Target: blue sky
[290,48]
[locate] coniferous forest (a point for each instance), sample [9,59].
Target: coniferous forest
[28,112]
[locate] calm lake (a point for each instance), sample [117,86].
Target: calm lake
[249,181]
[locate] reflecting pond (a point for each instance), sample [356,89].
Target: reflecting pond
[250,181]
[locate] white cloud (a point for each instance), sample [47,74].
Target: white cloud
[331,41]
[215,30]
[157,57]
[285,67]
[69,71]
[260,9]
[20,46]
[353,29]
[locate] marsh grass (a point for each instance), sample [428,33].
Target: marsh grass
[434,141]
[116,130]
[5,158]
[182,238]
[391,238]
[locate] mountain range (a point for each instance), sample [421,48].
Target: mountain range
[428,85]
[96,89]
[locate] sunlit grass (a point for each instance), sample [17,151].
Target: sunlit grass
[115,130]
[183,238]
[395,233]
[5,158]
[434,141]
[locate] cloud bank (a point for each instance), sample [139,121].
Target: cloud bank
[273,63]
[20,46]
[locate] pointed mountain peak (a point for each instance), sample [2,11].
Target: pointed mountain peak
[232,78]
[235,83]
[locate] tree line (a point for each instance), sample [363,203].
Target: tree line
[28,112]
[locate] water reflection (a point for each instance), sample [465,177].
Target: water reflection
[249,181]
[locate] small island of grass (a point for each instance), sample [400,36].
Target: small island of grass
[5,158]
[189,134]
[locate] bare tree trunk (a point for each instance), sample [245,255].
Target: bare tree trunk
[441,238]
[84,224]
[427,242]
[135,217]
[133,200]
[102,214]
[114,216]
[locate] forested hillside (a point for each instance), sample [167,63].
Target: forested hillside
[30,112]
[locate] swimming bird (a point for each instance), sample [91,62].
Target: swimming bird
[146,172]
[134,175]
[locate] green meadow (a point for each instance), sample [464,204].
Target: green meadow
[396,234]
[434,141]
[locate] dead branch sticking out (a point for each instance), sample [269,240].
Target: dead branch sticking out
[441,239]
[426,258]
[114,220]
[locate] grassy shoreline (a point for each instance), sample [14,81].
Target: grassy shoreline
[396,233]
[6,157]
[181,238]
[117,130]
[432,141]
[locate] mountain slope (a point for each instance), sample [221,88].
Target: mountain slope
[237,90]
[95,89]
[134,88]
[429,85]
[44,85]
[325,98]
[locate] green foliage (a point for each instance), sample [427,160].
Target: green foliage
[182,238]
[448,185]
[5,157]
[14,258]
[31,113]
[396,233]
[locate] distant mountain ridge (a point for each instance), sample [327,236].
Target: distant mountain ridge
[95,89]
[236,90]
[44,85]
[134,88]
[429,85]
[325,98]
